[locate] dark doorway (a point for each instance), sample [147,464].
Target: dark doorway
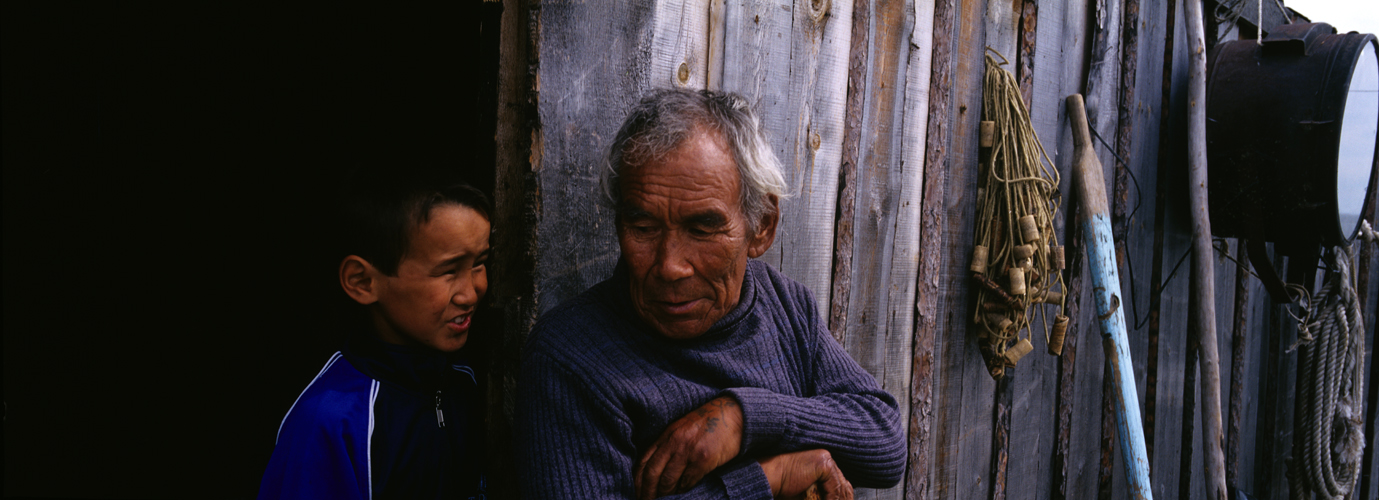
[168,175]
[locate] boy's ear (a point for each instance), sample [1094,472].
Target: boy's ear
[359,279]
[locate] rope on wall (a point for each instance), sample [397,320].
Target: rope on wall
[1331,380]
[1016,260]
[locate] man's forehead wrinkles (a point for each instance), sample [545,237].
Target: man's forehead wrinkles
[695,181]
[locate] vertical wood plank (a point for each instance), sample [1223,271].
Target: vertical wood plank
[1257,316]
[1101,94]
[594,65]
[1239,349]
[1137,142]
[965,410]
[883,183]
[928,445]
[1365,285]
[792,65]
[1276,403]
[1085,415]
[514,206]
[1170,352]
[680,47]
[1058,68]
[905,265]
[1225,301]
[847,175]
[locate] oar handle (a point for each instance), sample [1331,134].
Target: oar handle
[1087,178]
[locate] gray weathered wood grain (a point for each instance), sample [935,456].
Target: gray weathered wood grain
[792,65]
[1276,402]
[594,63]
[1172,360]
[1057,64]
[883,183]
[966,391]
[922,478]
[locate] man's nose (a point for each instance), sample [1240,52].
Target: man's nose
[672,259]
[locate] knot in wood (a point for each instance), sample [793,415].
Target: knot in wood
[818,9]
[683,74]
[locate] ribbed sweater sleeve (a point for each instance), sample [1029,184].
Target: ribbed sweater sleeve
[573,443]
[847,412]
[851,417]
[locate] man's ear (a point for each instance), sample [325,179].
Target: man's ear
[766,229]
[359,279]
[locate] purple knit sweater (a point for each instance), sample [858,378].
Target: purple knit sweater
[598,387]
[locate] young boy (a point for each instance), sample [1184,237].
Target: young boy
[394,414]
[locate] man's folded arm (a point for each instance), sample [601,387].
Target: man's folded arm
[849,415]
[574,442]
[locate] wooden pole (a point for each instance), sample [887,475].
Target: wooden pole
[1095,219]
[1203,309]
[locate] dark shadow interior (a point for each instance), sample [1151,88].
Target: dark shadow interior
[168,175]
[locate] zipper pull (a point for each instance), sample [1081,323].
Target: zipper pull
[440,416]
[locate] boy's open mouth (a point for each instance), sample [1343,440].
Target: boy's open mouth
[460,323]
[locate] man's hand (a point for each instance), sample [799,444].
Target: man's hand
[691,447]
[806,474]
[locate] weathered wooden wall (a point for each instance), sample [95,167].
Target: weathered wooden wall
[873,107]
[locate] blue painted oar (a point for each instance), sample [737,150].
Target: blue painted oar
[1101,252]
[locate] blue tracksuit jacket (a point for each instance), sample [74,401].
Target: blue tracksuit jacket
[381,421]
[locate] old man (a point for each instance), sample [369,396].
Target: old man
[694,370]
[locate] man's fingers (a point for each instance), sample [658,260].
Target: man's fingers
[669,479]
[637,469]
[649,479]
[833,485]
[693,473]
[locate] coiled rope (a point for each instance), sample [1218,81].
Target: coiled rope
[1331,361]
[1016,260]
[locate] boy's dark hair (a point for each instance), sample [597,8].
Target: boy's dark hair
[381,213]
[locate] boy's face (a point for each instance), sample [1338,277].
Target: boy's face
[439,282]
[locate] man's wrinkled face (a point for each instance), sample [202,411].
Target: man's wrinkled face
[684,237]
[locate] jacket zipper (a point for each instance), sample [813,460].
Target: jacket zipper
[440,416]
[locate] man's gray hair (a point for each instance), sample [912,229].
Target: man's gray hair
[666,118]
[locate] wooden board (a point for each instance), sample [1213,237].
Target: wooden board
[593,65]
[1135,202]
[965,391]
[1256,340]
[1173,361]
[928,449]
[1002,26]
[791,64]
[885,185]
[1276,403]
[1057,66]
[910,220]
[513,262]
